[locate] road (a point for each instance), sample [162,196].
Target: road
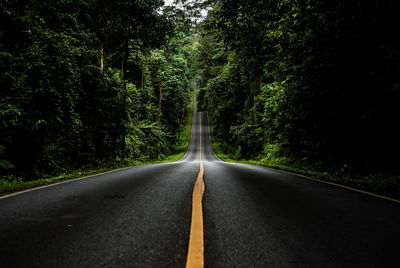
[253,217]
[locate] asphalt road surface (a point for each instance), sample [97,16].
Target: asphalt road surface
[253,217]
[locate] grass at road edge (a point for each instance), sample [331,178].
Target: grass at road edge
[380,184]
[184,139]
[7,187]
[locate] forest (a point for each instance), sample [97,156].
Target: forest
[312,86]
[89,84]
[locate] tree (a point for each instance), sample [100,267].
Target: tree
[314,80]
[60,108]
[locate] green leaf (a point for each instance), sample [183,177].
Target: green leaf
[2,149]
[5,164]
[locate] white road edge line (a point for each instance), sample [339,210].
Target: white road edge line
[61,182]
[81,178]
[327,182]
[209,136]
[339,185]
[310,178]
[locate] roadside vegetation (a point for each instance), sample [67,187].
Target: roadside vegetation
[179,149]
[382,184]
[182,145]
[307,86]
[88,87]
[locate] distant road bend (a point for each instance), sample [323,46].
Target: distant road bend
[253,217]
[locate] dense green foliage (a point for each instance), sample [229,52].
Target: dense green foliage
[104,83]
[309,82]
[80,83]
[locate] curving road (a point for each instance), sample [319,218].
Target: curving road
[253,217]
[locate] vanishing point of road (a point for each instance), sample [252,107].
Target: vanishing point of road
[250,216]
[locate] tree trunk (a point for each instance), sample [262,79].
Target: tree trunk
[255,87]
[125,55]
[101,58]
[142,82]
[159,109]
[122,63]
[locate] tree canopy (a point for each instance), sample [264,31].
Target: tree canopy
[80,83]
[315,82]
[86,83]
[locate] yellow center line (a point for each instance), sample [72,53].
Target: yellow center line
[195,257]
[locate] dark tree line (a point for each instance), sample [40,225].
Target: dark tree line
[314,82]
[86,83]
[80,83]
